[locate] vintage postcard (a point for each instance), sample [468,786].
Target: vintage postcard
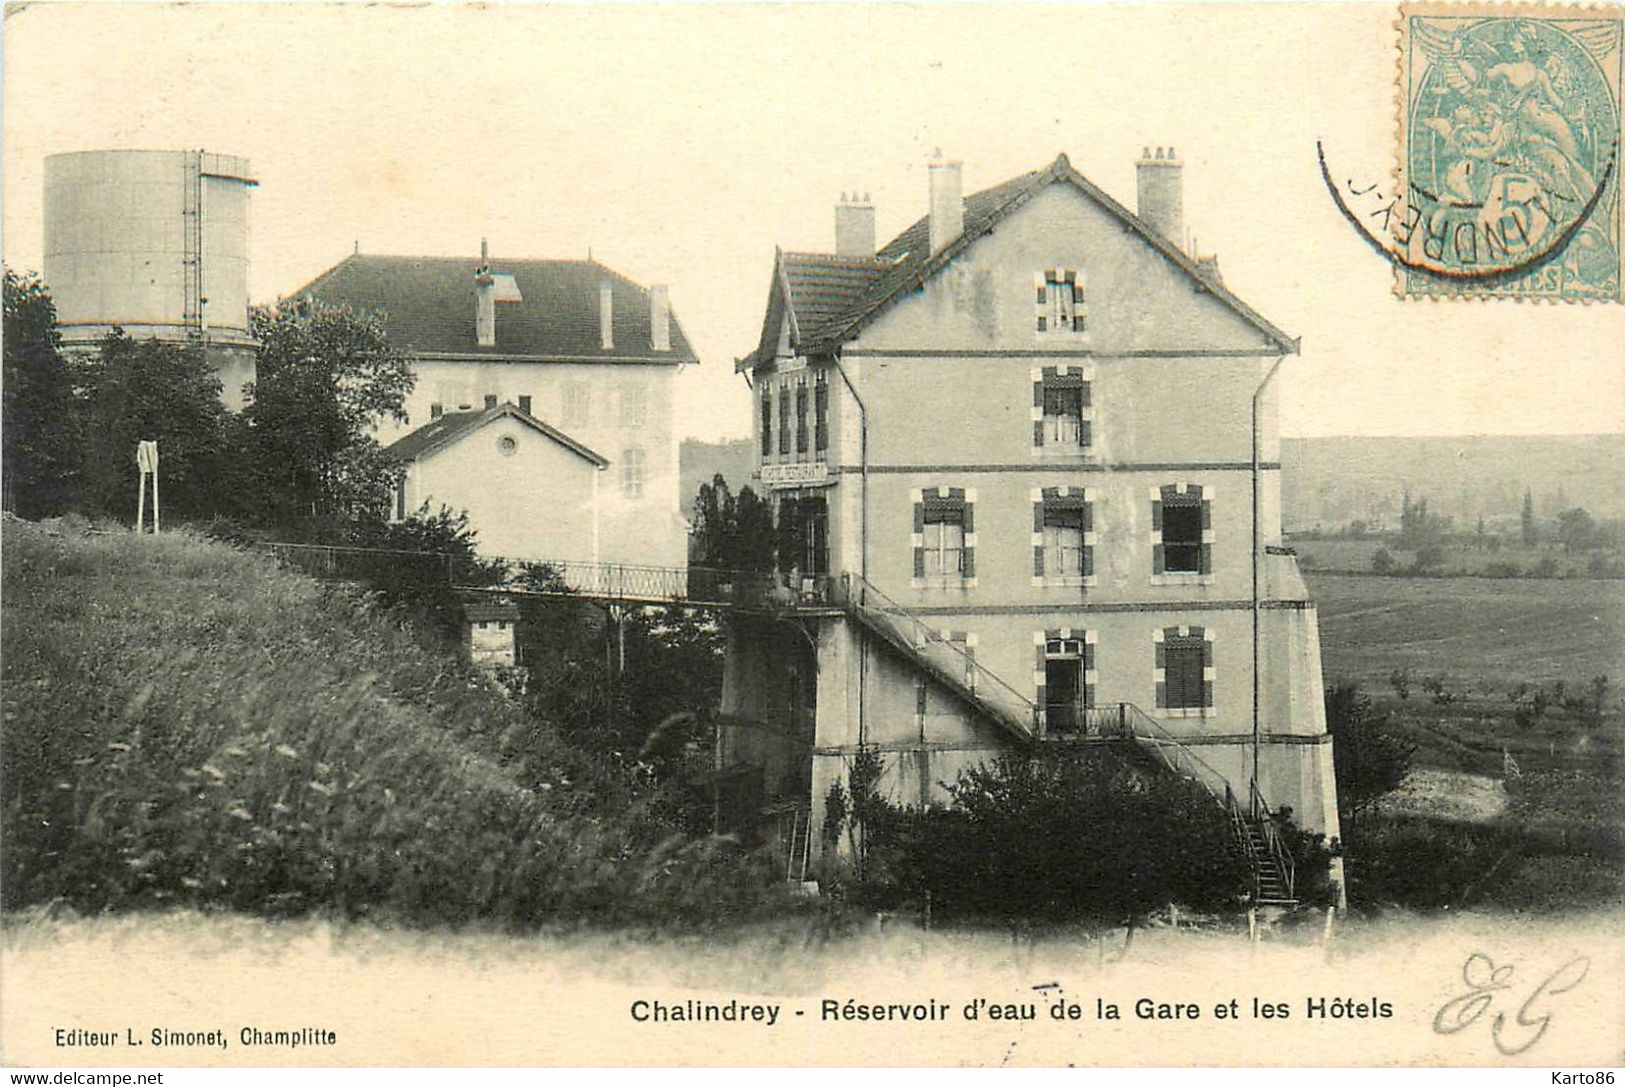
[812,535]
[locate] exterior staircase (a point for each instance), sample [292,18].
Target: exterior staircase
[1255,833]
[944,661]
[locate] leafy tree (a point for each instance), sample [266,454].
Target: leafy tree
[1418,528]
[1531,530]
[1576,530]
[1599,699]
[441,555]
[40,460]
[1370,756]
[136,390]
[1383,562]
[732,532]
[325,376]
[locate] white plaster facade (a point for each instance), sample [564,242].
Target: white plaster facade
[937,410]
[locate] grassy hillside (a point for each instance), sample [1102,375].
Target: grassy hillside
[186,723]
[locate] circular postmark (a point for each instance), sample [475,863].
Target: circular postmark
[1509,135]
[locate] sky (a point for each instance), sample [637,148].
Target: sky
[679,144]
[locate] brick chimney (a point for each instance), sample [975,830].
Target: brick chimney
[854,226]
[1161,203]
[485,300]
[659,317]
[947,203]
[606,314]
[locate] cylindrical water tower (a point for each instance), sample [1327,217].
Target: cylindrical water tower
[155,242]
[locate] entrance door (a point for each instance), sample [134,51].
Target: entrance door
[815,519]
[1063,693]
[805,534]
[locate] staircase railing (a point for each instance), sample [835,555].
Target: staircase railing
[1244,840]
[946,661]
[1179,758]
[1264,819]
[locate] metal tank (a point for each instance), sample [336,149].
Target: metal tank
[155,242]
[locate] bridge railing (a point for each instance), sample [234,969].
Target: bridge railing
[635,583]
[347,563]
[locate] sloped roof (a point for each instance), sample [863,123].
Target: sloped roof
[452,427]
[828,286]
[429,307]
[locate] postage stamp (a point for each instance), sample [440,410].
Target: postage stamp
[1508,151]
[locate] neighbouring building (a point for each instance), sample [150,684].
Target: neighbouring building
[155,243]
[530,491]
[556,355]
[1012,453]
[490,632]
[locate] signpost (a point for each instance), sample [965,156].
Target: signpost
[146,458]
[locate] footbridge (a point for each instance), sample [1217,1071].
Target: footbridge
[847,595]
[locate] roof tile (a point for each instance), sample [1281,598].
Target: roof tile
[428,303]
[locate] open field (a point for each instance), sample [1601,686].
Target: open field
[1490,633]
[1498,557]
[1532,814]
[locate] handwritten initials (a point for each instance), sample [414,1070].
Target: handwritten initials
[1484,979]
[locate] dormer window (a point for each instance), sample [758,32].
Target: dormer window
[1059,301]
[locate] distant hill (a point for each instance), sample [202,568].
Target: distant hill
[699,461]
[1329,482]
[1332,481]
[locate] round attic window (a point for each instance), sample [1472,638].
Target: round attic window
[507,446]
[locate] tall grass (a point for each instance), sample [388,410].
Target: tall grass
[188,724]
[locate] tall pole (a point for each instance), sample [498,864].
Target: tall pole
[1257,549]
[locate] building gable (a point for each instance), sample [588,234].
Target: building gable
[455,427]
[905,267]
[1130,296]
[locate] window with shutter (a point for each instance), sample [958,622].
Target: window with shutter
[632,473]
[784,421]
[944,541]
[1059,301]
[1182,532]
[1061,415]
[801,419]
[1063,536]
[821,414]
[944,537]
[1184,663]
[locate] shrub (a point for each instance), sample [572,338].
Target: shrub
[1422,863]
[1084,836]
[1383,562]
[1370,756]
